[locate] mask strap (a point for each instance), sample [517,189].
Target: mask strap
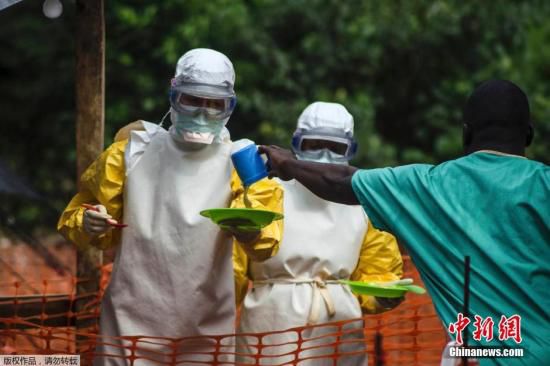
[161,123]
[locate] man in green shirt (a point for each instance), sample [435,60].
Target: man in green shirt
[492,205]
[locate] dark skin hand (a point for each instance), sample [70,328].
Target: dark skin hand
[331,182]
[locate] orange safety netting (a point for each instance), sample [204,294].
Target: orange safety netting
[39,317]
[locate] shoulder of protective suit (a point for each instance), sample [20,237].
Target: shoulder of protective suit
[124,132]
[139,138]
[242,142]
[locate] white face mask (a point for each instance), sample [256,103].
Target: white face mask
[324,156]
[195,129]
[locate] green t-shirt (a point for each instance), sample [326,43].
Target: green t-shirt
[491,207]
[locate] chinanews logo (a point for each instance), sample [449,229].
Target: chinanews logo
[509,328]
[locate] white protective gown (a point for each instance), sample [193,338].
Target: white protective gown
[322,241]
[173,271]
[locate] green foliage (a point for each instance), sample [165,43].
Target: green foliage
[403,69]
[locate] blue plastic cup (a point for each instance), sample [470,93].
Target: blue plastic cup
[249,164]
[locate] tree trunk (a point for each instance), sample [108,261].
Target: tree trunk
[90,95]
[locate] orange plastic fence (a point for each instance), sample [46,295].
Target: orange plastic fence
[411,334]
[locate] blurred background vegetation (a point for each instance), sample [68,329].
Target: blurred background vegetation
[402,68]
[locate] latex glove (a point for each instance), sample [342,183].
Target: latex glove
[245,237]
[97,222]
[231,226]
[389,302]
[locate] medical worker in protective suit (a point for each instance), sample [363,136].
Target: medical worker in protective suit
[323,242]
[172,273]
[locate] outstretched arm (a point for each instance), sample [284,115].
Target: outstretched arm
[331,182]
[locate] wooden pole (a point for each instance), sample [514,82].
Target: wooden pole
[90,95]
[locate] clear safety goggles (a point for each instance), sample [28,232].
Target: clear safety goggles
[312,143]
[215,102]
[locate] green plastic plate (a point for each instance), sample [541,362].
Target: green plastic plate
[245,219]
[379,290]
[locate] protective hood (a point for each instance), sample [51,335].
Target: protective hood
[329,122]
[205,72]
[321,115]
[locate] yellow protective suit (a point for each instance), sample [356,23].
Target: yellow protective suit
[379,261]
[103,183]
[171,261]
[324,242]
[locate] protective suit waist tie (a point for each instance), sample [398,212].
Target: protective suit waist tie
[320,291]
